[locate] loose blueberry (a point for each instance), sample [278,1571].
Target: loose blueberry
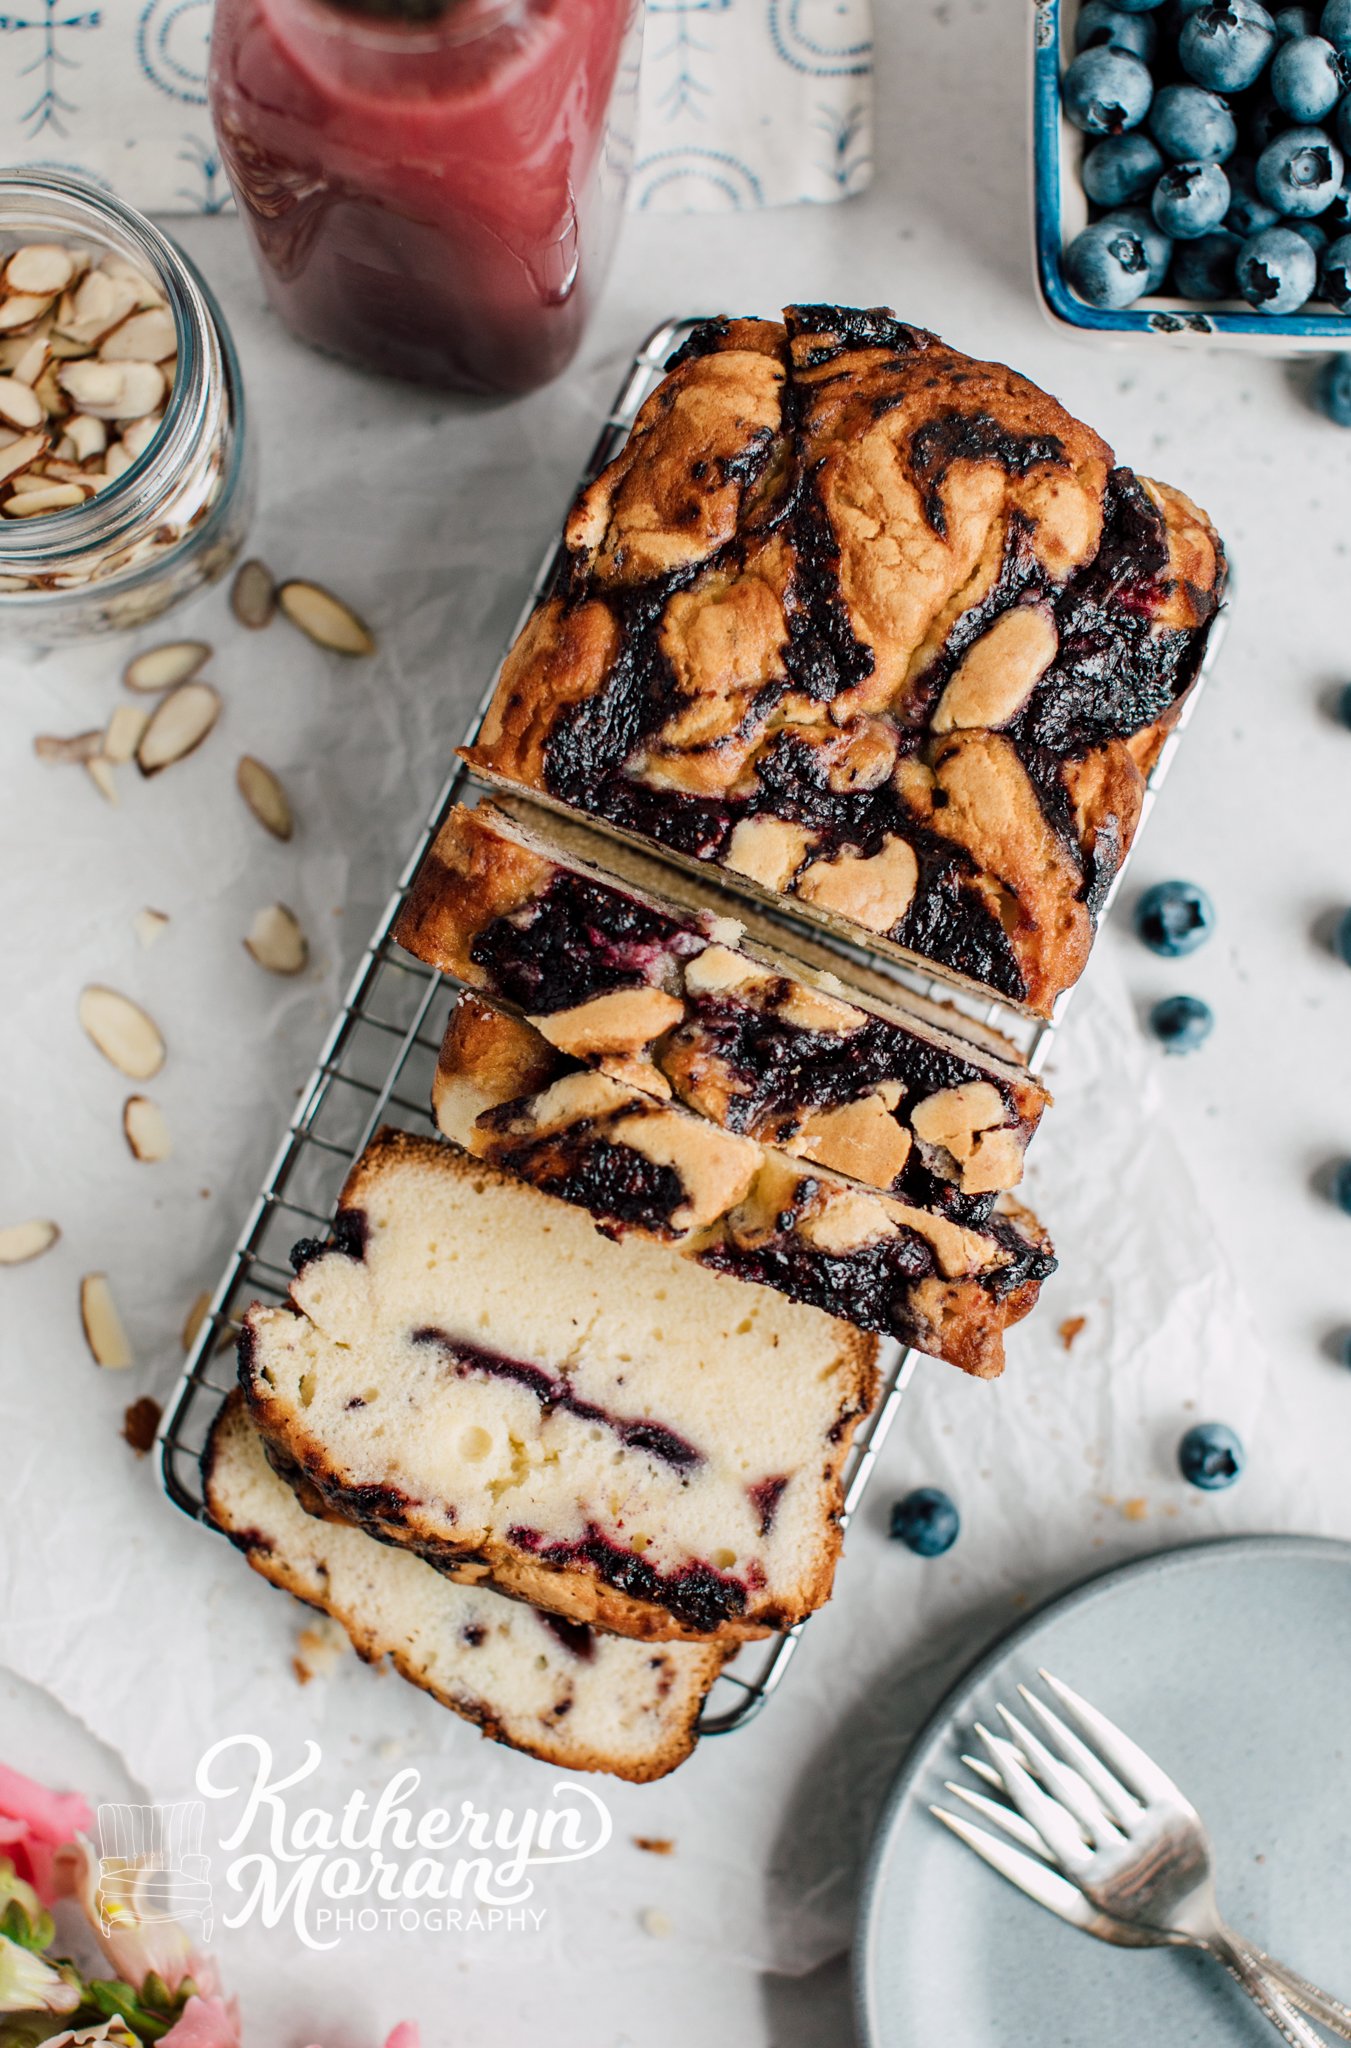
[1335,24]
[1276,271]
[1120,168]
[1248,214]
[1332,390]
[1204,269]
[926,1521]
[1107,91]
[1336,283]
[1113,261]
[1293,21]
[1300,172]
[1307,78]
[1190,199]
[1341,1186]
[1309,231]
[1174,918]
[1192,126]
[1342,1347]
[1100,22]
[1210,1456]
[1181,1023]
[1344,705]
[1342,939]
[1226,45]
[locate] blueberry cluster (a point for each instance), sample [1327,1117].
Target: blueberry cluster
[1173,919]
[1219,135]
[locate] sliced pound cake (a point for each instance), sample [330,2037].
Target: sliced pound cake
[643,1165]
[601,1429]
[558,1690]
[680,1002]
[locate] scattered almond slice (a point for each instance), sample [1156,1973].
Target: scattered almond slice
[148,337]
[192,1322]
[145,1129]
[88,436]
[31,361]
[81,746]
[265,797]
[20,405]
[103,1331]
[180,722]
[20,1242]
[149,925]
[122,1031]
[160,668]
[43,268]
[276,941]
[124,732]
[100,773]
[253,595]
[21,309]
[20,453]
[324,618]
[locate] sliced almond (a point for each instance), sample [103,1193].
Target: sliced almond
[88,436]
[80,746]
[20,453]
[253,595]
[276,941]
[265,797]
[116,460]
[160,668]
[19,404]
[30,363]
[44,268]
[149,925]
[21,309]
[192,1322]
[50,498]
[55,403]
[112,391]
[324,618]
[100,773]
[124,732]
[20,1242]
[145,1129]
[137,437]
[103,1331]
[99,303]
[147,337]
[122,1031]
[180,722]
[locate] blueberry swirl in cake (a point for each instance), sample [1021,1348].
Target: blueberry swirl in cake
[872,625]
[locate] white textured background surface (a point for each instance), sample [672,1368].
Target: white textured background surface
[1183,1194]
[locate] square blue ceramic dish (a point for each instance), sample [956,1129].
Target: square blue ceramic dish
[1060,209]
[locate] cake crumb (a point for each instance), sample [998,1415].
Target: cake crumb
[655,1845]
[140,1423]
[1136,1509]
[319,1647]
[1070,1329]
[656,1923]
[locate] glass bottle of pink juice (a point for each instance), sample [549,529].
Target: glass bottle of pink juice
[433,191]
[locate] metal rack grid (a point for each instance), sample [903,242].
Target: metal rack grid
[376,1066]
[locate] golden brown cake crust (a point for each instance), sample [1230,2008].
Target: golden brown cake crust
[853,616]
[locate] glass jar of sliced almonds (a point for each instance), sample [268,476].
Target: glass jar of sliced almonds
[124,478]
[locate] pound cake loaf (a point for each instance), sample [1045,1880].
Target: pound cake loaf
[680,1003]
[639,1164]
[556,1689]
[604,1430]
[872,625]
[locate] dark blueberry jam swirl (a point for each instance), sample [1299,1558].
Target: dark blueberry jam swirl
[349,1236]
[696,1595]
[575,1636]
[653,1439]
[579,940]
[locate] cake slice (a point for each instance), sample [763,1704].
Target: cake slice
[638,1164]
[556,1689]
[874,627]
[680,1002]
[603,1430]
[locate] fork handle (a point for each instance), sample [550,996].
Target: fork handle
[1270,2001]
[1319,2005]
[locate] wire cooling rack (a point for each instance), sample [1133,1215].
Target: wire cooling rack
[376,1067]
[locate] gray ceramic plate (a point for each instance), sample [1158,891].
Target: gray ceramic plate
[1231,1663]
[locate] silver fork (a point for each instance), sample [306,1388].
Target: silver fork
[1134,1852]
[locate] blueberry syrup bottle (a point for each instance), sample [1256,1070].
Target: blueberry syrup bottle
[433,187]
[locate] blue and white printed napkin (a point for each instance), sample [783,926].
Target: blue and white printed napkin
[742,103]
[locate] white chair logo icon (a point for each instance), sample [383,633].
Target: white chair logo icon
[151,1865]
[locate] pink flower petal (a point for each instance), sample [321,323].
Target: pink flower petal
[205,2023]
[52,1816]
[406,2035]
